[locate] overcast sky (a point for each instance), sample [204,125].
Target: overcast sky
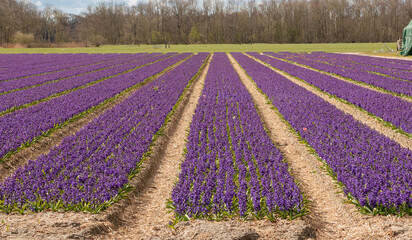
[75,6]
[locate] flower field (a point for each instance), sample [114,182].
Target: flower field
[230,163]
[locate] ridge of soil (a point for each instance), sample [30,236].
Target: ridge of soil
[60,225]
[329,216]
[364,85]
[360,115]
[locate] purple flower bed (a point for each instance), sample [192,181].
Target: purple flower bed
[26,124]
[231,166]
[90,169]
[56,62]
[6,86]
[387,83]
[29,95]
[375,171]
[388,107]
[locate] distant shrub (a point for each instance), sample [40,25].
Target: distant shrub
[156,37]
[195,36]
[97,40]
[23,38]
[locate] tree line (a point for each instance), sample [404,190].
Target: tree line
[208,21]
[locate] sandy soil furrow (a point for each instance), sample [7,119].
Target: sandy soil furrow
[330,216]
[360,115]
[377,89]
[56,225]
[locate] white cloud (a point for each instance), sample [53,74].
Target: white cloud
[78,6]
[99,1]
[132,2]
[128,2]
[73,10]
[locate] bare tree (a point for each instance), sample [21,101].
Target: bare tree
[211,21]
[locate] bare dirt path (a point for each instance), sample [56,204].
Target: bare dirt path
[360,115]
[330,216]
[377,89]
[55,225]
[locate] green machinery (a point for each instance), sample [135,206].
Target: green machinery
[407,40]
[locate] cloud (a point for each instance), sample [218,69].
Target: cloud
[128,2]
[78,6]
[99,1]
[72,6]
[73,10]
[132,2]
